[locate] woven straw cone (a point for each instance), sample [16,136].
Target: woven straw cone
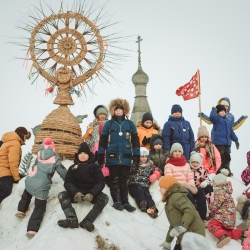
[64,130]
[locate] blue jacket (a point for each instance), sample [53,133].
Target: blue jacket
[120,141]
[223,133]
[178,130]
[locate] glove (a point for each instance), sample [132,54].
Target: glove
[168,154]
[237,145]
[165,245]
[88,197]
[145,140]
[155,175]
[100,159]
[78,197]
[199,114]
[136,160]
[203,184]
[245,116]
[208,189]
[176,231]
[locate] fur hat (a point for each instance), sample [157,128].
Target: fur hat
[194,156]
[220,107]
[219,179]
[193,241]
[100,109]
[202,131]
[166,181]
[176,146]
[147,117]
[119,102]
[84,148]
[157,141]
[144,151]
[176,108]
[224,102]
[23,133]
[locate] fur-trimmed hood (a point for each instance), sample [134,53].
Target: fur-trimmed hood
[118,101]
[172,189]
[155,125]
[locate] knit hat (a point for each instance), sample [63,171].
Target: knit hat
[147,117]
[100,109]
[157,141]
[166,181]
[84,148]
[224,102]
[176,146]
[193,241]
[176,108]
[220,107]
[202,131]
[194,156]
[219,179]
[144,151]
[23,133]
[48,142]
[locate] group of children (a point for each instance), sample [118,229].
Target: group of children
[128,158]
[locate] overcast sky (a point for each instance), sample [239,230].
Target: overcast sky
[179,37]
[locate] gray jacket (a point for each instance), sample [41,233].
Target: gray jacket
[38,182]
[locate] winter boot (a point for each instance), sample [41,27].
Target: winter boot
[31,234]
[124,199]
[143,206]
[20,214]
[223,241]
[87,224]
[129,208]
[115,194]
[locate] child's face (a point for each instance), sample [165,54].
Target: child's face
[222,113]
[163,190]
[83,157]
[203,138]
[119,112]
[158,147]
[102,117]
[143,158]
[195,164]
[148,124]
[176,114]
[177,153]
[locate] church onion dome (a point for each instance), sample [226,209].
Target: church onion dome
[140,77]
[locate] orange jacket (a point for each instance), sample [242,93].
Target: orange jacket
[10,155]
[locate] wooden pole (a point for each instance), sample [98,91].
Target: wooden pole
[199,89]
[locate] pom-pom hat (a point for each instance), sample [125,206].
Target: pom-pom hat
[166,181]
[48,142]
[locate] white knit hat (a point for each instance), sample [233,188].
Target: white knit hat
[176,146]
[224,102]
[193,241]
[194,156]
[219,179]
[143,151]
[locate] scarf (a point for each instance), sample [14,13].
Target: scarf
[179,162]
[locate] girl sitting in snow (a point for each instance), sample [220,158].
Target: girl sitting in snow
[139,180]
[38,183]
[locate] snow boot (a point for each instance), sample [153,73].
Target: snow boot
[87,224]
[115,194]
[124,199]
[223,241]
[143,206]
[129,208]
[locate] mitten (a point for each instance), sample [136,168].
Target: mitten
[78,197]
[245,116]
[136,160]
[176,231]
[145,140]
[165,245]
[237,145]
[100,159]
[203,184]
[168,154]
[156,175]
[87,197]
[199,114]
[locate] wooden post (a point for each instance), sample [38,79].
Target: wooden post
[199,89]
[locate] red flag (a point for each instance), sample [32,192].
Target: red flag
[191,89]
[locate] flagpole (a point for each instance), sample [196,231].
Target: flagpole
[199,89]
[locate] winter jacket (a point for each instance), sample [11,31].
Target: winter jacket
[85,177]
[206,160]
[120,141]
[148,132]
[223,207]
[38,181]
[245,175]
[223,132]
[10,155]
[178,130]
[181,212]
[229,116]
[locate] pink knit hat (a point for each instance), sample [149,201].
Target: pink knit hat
[48,142]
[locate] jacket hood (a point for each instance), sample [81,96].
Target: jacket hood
[227,186]
[12,136]
[174,188]
[46,153]
[122,102]
[153,138]
[90,160]
[155,125]
[226,99]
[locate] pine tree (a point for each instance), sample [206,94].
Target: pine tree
[25,164]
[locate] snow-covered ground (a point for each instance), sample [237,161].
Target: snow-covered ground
[113,229]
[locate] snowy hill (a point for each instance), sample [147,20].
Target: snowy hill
[113,229]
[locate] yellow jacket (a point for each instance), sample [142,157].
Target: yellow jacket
[10,155]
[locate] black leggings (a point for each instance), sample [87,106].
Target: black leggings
[6,184]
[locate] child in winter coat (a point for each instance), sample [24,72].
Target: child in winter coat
[178,167]
[157,154]
[211,156]
[139,180]
[223,136]
[177,129]
[146,128]
[245,175]
[181,213]
[223,212]
[84,182]
[38,183]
